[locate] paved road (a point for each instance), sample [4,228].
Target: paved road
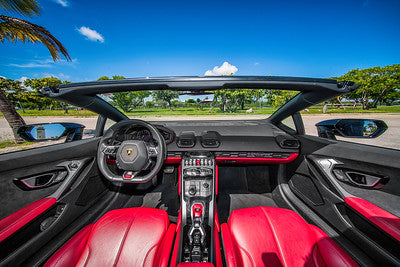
[390,139]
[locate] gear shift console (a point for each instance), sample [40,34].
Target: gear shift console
[198,205]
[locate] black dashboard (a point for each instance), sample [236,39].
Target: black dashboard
[241,139]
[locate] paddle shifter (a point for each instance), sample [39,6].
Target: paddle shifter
[198,198]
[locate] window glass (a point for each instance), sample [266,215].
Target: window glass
[289,122]
[349,110]
[108,124]
[48,133]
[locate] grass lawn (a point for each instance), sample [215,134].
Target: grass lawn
[380,109]
[205,111]
[80,113]
[4,144]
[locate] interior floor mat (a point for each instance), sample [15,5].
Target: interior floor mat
[227,203]
[164,196]
[243,187]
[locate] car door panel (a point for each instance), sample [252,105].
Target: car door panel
[37,215]
[368,217]
[33,162]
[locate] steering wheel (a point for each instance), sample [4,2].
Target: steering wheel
[132,156]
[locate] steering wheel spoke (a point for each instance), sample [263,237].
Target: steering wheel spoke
[152,151]
[110,150]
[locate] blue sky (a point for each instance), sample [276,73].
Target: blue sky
[173,38]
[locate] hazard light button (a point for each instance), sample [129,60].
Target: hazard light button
[128,175]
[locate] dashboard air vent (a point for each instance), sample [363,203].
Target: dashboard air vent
[210,139]
[186,139]
[287,142]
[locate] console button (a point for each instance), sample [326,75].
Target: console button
[192,190]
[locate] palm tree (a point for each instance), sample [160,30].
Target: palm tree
[13,30]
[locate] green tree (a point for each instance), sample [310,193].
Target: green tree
[7,108]
[14,91]
[15,29]
[278,98]
[257,95]
[40,102]
[149,104]
[377,85]
[231,100]
[165,96]
[127,101]
[190,102]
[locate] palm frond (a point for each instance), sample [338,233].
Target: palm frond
[13,29]
[22,7]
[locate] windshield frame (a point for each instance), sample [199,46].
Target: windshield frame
[312,90]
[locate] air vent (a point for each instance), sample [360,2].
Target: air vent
[210,139]
[287,142]
[186,139]
[290,143]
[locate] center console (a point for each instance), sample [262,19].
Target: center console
[198,205]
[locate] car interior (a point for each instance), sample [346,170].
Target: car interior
[201,192]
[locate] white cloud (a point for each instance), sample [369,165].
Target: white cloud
[22,79]
[31,65]
[91,34]
[64,3]
[225,69]
[256,63]
[60,76]
[45,63]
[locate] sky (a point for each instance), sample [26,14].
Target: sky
[320,38]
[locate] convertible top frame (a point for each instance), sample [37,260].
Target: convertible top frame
[312,90]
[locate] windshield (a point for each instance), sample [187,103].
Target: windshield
[208,105]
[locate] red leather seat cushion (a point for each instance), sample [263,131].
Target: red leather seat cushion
[125,237]
[264,236]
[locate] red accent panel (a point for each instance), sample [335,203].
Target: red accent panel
[174,258]
[178,223]
[245,160]
[12,223]
[381,218]
[216,220]
[277,237]
[164,250]
[173,160]
[198,264]
[124,237]
[216,179]
[218,256]
[179,180]
[69,253]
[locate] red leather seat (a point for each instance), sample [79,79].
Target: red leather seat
[125,237]
[264,236]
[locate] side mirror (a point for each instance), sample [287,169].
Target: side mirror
[51,132]
[353,128]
